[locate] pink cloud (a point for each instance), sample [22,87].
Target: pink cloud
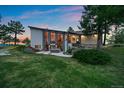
[72,16]
[29,14]
[22,37]
[72,8]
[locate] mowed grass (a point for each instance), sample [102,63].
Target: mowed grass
[45,71]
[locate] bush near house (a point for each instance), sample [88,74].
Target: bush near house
[26,49]
[69,51]
[20,47]
[92,56]
[118,45]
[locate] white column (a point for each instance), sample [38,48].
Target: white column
[66,43]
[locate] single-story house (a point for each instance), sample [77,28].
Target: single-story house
[41,38]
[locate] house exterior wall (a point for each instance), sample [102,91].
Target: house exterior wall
[37,39]
[74,38]
[89,39]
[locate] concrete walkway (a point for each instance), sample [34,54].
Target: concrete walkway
[55,54]
[4,52]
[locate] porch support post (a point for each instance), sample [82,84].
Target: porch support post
[43,43]
[80,38]
[56,37]
[63,42]
[68,37]
[68,40]
[49,37]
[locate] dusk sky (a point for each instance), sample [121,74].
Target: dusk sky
[52,17]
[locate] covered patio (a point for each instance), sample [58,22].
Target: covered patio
[44,39]
[61,39]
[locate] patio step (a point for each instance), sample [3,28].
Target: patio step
[57,50]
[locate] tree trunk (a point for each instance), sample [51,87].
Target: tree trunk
[9,43]
[99,40]
[15,38]
[105,33]
[104,38]
[4,42]
[116,28]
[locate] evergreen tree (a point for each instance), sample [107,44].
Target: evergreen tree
[15,27]
[70,29]
[103,17]
[26,41]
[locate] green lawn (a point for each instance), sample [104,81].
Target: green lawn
[32,70]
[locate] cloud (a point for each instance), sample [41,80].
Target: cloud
[34,13]
[29,14]
[42,25]
[72,8]
[6,19]
[22,37]
[71,17]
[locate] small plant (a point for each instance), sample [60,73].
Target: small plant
[26,41]
[92,56]
[69,51]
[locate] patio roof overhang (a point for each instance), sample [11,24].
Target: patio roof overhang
[51,30]
[46,29]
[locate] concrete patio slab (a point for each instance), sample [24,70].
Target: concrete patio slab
[55,54]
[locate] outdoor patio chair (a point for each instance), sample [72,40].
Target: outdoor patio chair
[53,47]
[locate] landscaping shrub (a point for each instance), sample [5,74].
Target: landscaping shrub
[30,50]
[92,56]
[20,47]
[69,51]
[118,45]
